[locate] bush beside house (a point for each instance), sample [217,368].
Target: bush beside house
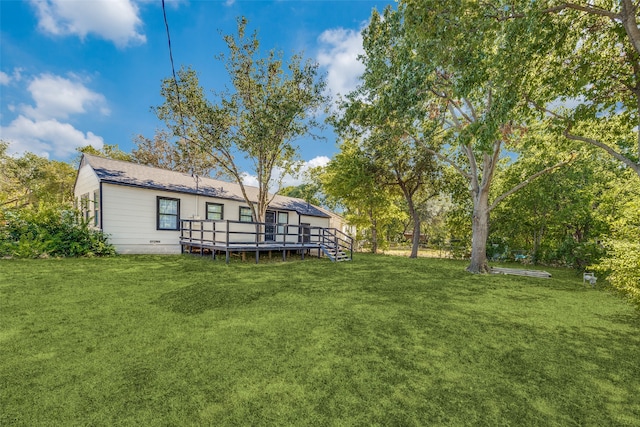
[49,230]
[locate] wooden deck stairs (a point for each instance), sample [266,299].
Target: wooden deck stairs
[336,245]
[335,254]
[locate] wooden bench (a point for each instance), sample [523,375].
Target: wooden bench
[520,272]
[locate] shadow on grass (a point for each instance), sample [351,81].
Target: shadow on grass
[198,298]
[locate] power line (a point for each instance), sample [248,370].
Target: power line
[173,68]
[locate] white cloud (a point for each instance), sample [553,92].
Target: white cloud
[288,180]
[40,128]
[46,137]
[248,179]
[113,20]
[6,79]
[339,55]
[58,97]
[315,162]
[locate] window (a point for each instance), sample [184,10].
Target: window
[168,213]
[84,206]
[283,219]
[96,208]
[215,211]
[245,214]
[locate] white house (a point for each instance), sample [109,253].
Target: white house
[143,209]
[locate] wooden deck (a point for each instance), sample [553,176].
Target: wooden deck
[228,237]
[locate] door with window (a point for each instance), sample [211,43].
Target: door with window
[305,232]
[270,226]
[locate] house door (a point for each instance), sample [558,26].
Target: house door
[270,226]
[305,230]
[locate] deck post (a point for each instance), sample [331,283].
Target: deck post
[257,256]
[227,260]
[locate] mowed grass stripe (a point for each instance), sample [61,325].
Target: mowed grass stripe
[172,340]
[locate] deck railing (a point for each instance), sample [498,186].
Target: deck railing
[245,236]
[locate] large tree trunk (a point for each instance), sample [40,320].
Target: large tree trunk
[415,243]
[480,233]
[537,242]
[416,236]
[374,235]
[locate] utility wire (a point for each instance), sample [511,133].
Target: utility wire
[173,68]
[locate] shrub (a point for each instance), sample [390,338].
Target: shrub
[50,230]
[621,264]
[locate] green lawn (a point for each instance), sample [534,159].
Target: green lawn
[382,340]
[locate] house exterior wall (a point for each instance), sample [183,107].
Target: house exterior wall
[339,223]
[130,218]
[88,185]
[314,221]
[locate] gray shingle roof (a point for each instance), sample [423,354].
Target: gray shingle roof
[133,174]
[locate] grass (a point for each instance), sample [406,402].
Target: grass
[177,340]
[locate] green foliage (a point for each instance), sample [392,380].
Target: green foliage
[272,103]
[587,71]
[29,179]
[571,253]
[50,230]
[109,151]
[180,156]
[351,180]
[621,263]
[386,114]
[559,218]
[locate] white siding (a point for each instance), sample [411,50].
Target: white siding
[314,221]
[130,218]
[86,183]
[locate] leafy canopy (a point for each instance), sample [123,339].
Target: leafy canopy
[272,103]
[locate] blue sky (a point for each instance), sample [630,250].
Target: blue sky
[80,72]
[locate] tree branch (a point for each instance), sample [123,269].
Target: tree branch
[446,159]
[630,23]
[473,175]
[555,9]
[583,8]
[528,181]
[615,154]
[596,143]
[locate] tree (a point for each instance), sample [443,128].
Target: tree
[180,156]
[272,105]
[559,217]
[584,62]
[448,84]
[30,179]
[621,264]
[308,191]
[350,179]
[383,121]
[109,151]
